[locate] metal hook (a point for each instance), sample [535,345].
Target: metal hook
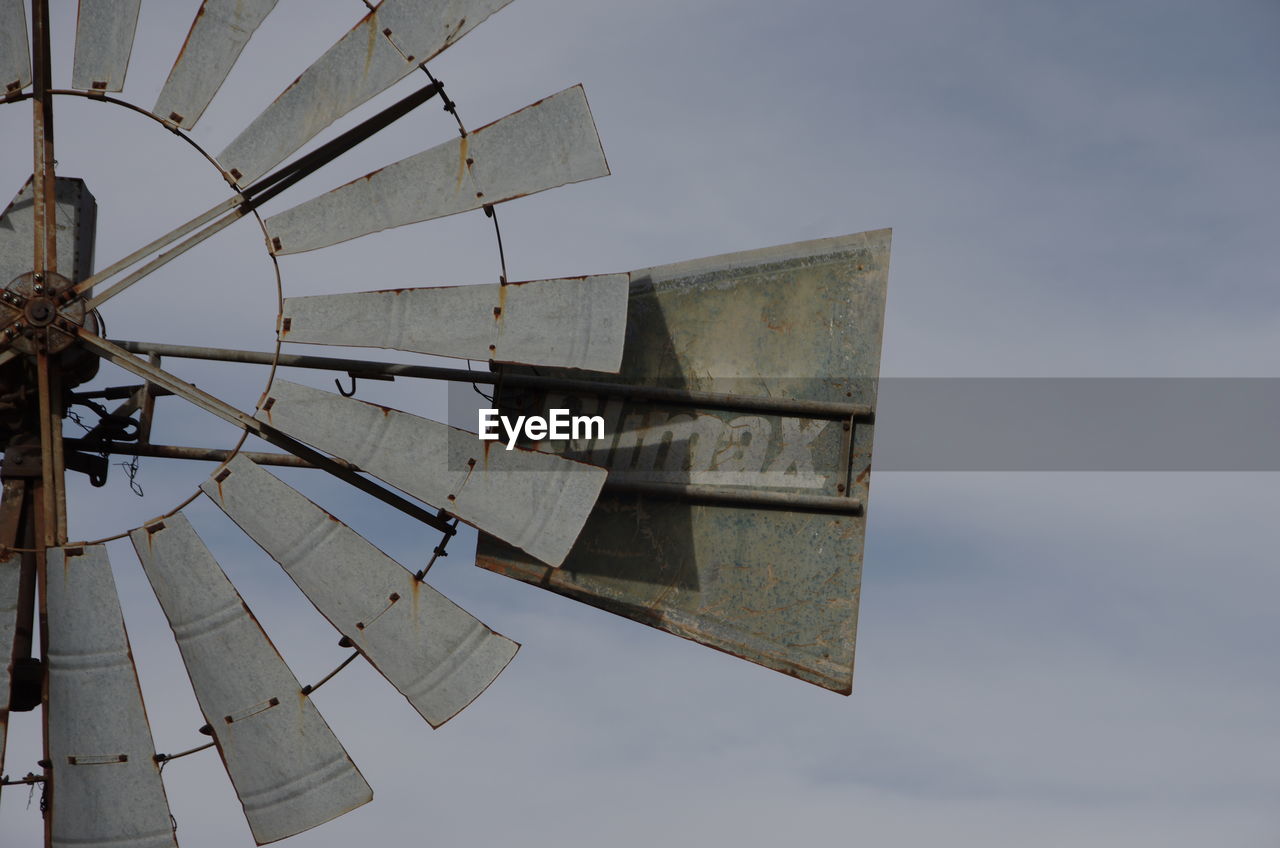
[343,391]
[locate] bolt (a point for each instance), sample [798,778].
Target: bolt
[39,289]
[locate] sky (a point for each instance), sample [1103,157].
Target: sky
[1054,658]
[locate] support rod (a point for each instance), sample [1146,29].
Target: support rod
[656,394]
[227,412]
[834,504]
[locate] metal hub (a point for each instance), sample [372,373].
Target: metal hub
[50,312]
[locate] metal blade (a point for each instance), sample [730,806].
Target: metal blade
[289,770]
[77,224]
[536,501]
[104,40]
[15,52]
[10,572]
[438,655]
[106,783]
[380,50]
[570,323]
[220,31]
[547,144]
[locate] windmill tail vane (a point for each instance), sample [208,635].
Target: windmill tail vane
[721,497]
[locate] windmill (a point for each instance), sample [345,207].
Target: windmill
[737,393]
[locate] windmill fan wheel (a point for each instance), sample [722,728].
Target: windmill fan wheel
[59,607]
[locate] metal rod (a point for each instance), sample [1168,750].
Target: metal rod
[261,429]
[669,491]
[218,455]
[48,473]
[832,410]
[159,244]
[164,758]
[737,497]
[165,258]
[311,687]
[250,198]
[44,177]
[49,518]
[276,182]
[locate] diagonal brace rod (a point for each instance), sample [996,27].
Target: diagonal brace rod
[261,429]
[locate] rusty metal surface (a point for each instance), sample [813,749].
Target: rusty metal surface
[569,323]
[10,578]
[536,501]
[219,33]
[437,654]
[776,587]
[104,40]
[15,51]
[105,780]
[547,144]
[289,770]
[381,49]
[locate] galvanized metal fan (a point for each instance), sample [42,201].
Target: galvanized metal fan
[738,392]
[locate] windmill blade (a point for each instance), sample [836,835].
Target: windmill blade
[535,501]
[550,143]
[104,40]
[380,50]
[105,776]
[220,31]
[289,770]
[436,653]
[10,573]
[15,53]
[568,323]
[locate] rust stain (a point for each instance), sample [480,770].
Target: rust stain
[371,21]
[187,41]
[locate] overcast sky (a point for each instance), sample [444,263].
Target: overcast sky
[1057,659]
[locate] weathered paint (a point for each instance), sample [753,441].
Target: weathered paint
[104,41]
[381,49]
[106,787]
[219,33]
[289,770]
[777,587]
[536,501]
[436,653]
[566,323]
[550,143]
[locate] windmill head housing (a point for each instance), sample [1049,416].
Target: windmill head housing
[721,495]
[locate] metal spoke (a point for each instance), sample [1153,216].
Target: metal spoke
[231,210]
[52,506]
[247,200]
[261,429]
